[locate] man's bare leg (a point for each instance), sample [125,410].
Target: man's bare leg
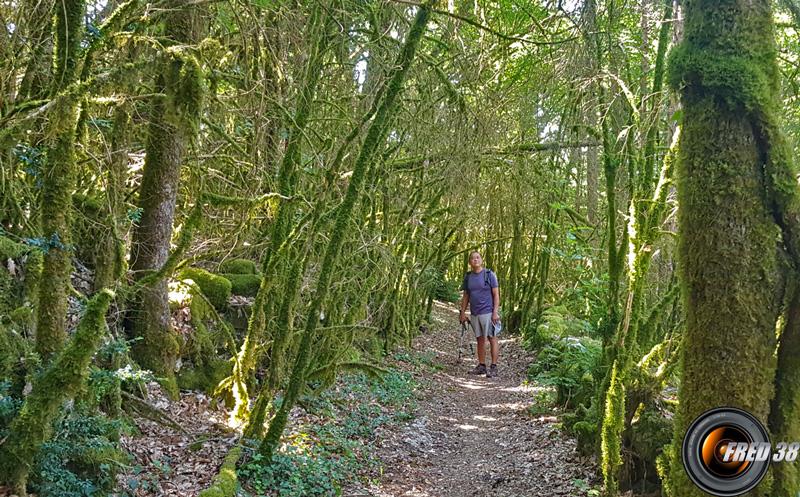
[481,349]
[495,349]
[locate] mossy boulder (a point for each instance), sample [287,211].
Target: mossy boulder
[239,266]
[206,377]
[243,284]
[215,288]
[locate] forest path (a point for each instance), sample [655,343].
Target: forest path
[472,435]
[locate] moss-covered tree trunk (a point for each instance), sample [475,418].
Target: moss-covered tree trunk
[172,124]
[33,425]
[376,134]
[110,253]
[34,82]
[725,68]
[245,361]
[58,182]
[783,424]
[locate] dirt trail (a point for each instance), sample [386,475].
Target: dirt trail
[473,436]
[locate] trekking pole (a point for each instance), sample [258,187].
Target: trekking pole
[461,342]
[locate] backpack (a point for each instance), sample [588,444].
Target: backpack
[486,279]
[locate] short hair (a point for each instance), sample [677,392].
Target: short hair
[473,252]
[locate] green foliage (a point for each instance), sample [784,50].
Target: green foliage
[82,460]
[569,365]
[216,288]
[424,359]
[246,284]
[555,323]
[239,266]
[83,457]
[320,458]
[542,404]
[9,249]
[294,473]
[12,290]
[585,489]
[439,286]
[9,407]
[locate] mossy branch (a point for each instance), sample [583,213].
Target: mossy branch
[33,426]
[376,135]
[225,482]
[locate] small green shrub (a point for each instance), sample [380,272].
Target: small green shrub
[569,365]
[321,457]
[238,266]
[543,403]
[243,284]
[217,289]
[296,473]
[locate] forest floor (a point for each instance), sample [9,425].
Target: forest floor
[477,436]
[455,435]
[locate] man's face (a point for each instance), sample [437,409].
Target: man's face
[475,260]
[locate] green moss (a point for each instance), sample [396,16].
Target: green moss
[13,349]
[9,249]
[22,317]
[206,377]
[243,284]
[239,266]
[8,287]
[216,289]
[33,426]
[33,275]
[226,482]
[611,433]
[733,170]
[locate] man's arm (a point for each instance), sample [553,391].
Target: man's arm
[464,301]
[496,306]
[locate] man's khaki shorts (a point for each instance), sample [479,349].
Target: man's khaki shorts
[482,324]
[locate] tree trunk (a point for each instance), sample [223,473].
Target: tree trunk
[172,123]
[376,135]
[58,183]
[727,250]
[33,425]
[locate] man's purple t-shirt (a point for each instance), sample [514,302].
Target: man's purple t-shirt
[480,294]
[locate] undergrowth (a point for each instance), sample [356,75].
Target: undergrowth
[333,448]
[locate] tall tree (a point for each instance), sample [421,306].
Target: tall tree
[58,182]
[374,139]
[173,122]
[726,71]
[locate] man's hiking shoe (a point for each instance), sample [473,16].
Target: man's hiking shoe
[492,371]
[479,369]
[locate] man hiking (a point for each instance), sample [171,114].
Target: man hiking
[481,291]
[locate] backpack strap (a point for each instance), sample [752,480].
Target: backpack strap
[465,283]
